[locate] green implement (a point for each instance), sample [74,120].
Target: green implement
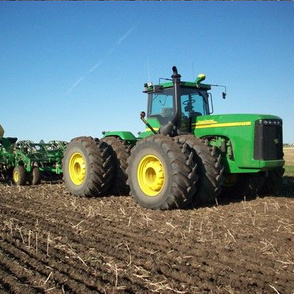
[26,161]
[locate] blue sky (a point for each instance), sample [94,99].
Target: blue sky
[77,68]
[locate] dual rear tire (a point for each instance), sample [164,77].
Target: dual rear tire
[87,167]
[93,167]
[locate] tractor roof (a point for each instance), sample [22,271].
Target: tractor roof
[153,88]
[188,85]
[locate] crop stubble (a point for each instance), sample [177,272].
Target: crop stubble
[53,242]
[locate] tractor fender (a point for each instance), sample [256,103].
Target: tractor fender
[123,135]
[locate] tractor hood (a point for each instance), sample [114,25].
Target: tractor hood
[255,141]
[224,122]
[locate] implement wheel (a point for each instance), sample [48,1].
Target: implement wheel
[120,154]
[161,173]
[19,175]
[87,167]
[36,176]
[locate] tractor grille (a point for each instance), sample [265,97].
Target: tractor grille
[268,139]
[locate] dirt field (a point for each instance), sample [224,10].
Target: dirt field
[53,242]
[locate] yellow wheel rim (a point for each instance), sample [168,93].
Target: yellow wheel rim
[77,168]
[150,175]
[16,176]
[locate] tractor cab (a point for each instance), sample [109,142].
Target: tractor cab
[173,106]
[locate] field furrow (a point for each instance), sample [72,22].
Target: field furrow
[53,242]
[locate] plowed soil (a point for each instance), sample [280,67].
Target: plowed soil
[53,242]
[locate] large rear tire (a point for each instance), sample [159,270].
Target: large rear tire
[87,167]
[120,154]
[161,173]
[209,169]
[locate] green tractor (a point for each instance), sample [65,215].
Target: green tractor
[186,156]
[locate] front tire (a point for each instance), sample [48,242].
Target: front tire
[87,168]
[161,173]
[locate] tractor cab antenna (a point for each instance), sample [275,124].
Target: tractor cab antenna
[148,69]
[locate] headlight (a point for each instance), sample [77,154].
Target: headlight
[270,122]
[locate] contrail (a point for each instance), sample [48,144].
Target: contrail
[110,51]
[74,85]
[122,38]
[93,68]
